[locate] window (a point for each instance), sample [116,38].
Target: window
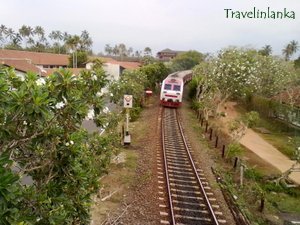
[176,88]
[167,87]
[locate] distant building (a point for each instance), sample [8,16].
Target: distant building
[45,64]
[167,54]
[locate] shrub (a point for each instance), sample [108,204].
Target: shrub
[251,118]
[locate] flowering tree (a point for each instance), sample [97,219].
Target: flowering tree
[41,137]
[236,73]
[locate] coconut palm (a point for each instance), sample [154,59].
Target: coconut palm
[3,32]
[85,41]
[57,36]
[108,49]
[26,32]
[290,49]
[266,50]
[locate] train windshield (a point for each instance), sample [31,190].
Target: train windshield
[176,88]
[167,86]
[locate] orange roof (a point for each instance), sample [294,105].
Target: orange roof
[130,65]
[21,65]
[103,59]
[37,58]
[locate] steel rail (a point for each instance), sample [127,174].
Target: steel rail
[195,172]
[166,169]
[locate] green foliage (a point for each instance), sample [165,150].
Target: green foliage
[10,192]
[80,57]
[251,118]
[40,128]
[253,174]
[134,113]
[155,73]
[186,60]
[297,63]
[132,82]
[233,150]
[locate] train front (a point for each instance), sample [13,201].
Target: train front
[171,92]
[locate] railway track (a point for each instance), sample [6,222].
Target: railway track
[188,198]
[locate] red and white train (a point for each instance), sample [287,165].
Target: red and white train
[172,88]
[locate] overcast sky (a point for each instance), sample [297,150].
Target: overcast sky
[176,24]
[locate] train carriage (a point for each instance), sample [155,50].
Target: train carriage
[172,88]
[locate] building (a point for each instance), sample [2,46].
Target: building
[167,54]
[46,63]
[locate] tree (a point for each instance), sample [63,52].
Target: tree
[290,49]
[147,51]
[85,41]
[108,49]
[237,73]
[186,60]
[266,50]
[81,59]
[40,131]
[57,36]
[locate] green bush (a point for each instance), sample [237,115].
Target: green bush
[234,150]
[135,113]
[253,174]
[251,118]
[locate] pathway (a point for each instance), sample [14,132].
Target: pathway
[269,153]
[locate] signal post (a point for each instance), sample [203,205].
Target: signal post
[127,105]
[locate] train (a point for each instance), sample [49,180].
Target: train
[172,88]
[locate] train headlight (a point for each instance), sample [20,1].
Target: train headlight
[177,93]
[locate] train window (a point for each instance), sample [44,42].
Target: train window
[176,88]
[167,87]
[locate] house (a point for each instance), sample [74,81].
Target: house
[46,63]
[167,54]
[39,59]
[22,66]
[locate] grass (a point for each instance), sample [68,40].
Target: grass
[280,136]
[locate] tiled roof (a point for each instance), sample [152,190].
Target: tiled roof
[21,65]
[129,65]
[37,58]
[104,59]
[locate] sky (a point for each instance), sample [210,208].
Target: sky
[176,24]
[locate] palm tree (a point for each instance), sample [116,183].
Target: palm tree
[57,36]
[108,49]
[3,32]
[290,49]
[266,50]
[85,41]
[26,32]
[73,44]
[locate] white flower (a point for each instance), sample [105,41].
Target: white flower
[59,105]
[40,82]
[111,94]
[94,77]
[298,148]
[99,94]
[24,122]
[72,142]
[90,114]
[106,110]
[67,144]
[65,100]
